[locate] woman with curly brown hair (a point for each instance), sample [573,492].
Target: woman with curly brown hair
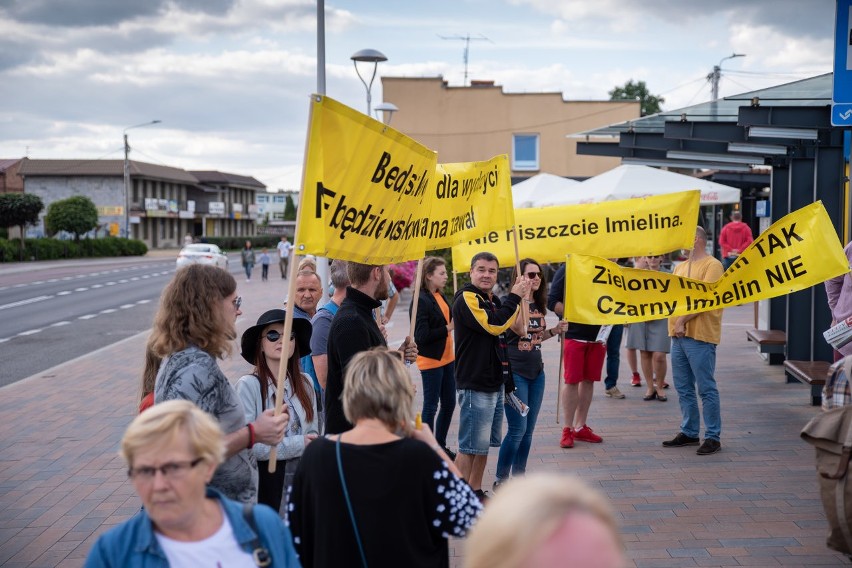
[193,327]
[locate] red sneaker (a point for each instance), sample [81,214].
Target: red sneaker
[636,381]
[585,434]
[567,440]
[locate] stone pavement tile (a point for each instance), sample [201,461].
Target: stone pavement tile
[716,562]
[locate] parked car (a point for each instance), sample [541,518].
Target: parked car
[202,253]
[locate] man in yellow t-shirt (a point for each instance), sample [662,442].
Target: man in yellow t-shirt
[694,341]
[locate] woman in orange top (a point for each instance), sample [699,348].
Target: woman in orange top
[435,345]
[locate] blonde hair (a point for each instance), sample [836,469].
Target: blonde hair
[171,420]
[377,385]
[191,313]
[308,264]
[525,513]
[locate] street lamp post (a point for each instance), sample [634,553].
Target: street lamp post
[368,56]
[388,109]
[127,175]
[717,74]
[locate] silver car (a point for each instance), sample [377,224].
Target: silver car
[202,253]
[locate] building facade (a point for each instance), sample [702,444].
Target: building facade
[10,181]
[465,124]
[165,203]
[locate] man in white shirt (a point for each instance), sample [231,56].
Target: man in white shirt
[284,248]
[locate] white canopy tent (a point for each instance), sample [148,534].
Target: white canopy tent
[629,181]
[540,189]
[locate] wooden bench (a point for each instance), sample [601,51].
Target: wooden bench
[771,341]
[813,373]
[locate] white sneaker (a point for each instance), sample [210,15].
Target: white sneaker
[615,393]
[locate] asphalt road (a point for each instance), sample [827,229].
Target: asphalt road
[51,313]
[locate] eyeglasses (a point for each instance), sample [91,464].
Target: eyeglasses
[532,275]
[238,301]
[171,470]
[272,336]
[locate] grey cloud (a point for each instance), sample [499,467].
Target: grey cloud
[88,13]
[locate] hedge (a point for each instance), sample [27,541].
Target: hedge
[53,249]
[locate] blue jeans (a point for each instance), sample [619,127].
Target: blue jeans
[439,385]
[248,268]
[480,421]
[693,363]
[613,355]
[728,261]
[515,448]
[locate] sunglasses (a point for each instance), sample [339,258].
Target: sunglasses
[272,336]
[238,301]
[532,275]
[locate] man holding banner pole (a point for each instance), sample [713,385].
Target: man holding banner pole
[693,352]
[584,352]
[354,329]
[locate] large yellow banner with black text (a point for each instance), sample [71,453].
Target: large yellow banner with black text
[366,193]
[794,253]
[642,226]
[470,199]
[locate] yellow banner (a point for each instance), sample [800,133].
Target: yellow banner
[796,252]
[643,226]
[366,188]
[470,199]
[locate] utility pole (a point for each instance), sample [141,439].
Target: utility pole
[716,75]
[466,39]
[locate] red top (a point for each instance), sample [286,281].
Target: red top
[735,236]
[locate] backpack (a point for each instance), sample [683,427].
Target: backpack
[831,434]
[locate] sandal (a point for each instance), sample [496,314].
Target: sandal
[661,397]
[651,396]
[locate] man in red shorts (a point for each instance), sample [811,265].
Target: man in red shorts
[584,354]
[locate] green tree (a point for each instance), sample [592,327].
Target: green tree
[638,91]
[76,215]
[289,209]
[19,210]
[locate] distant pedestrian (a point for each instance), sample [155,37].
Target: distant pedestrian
[284,248]
[839,292]
[734,238]
[187,239]
[248,259]
[263,346]
[264,265]
[172,452]
[193,327]
[651,339]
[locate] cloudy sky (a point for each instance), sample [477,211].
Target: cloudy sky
[230,79]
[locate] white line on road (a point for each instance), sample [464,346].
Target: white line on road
[125,306]
[63,293]
[96,286]
[80,289]
[109,311]
[110,284]
[29,332]
[60,323]
[25,302]
[123,281]
[88,316]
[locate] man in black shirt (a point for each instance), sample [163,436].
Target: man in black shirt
[354,329]
[584,354]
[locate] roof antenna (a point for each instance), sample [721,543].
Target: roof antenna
[466,39]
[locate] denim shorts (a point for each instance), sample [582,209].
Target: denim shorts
[480,421]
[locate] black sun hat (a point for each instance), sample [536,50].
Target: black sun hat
[301,327]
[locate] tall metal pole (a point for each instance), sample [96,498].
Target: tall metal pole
[322,262]
[126,188]
[716,75]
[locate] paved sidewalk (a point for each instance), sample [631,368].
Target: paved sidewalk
[755,503]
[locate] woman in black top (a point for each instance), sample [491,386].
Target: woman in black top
[436,359]
[383,493]
[524,341]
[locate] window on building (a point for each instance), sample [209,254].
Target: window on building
[262,198]
[525,152]
[278,198]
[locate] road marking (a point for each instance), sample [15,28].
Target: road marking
[124,281]
[88,316]
[29,332]
[60,323]
[63,293]
[67,278]
[19,285]
[25,302]
[80,289]
[110,284]
[96,286]
[109,311]
[125,306]
[134,279]
[52,280]
[143,301]
[38,282]
[5,339]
